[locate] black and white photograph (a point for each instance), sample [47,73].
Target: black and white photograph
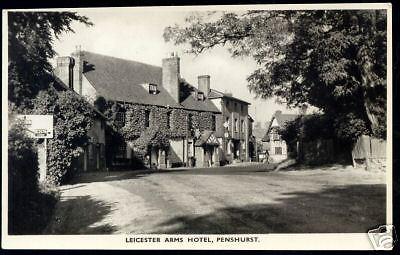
[198,127]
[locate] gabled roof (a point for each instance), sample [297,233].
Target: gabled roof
[217,94]
[120,80]
[60,84]
[282,119]
[207,137]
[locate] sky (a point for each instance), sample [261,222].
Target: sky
[136,34]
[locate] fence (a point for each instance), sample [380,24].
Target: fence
[369,153]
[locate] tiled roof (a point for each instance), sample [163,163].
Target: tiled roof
[120,80]
[285,118]
[188,101]
[217,94]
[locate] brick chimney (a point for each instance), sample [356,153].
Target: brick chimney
[64,70]
[204,84]
[171,75]
[78,69]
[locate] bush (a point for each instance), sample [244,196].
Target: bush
[29,209]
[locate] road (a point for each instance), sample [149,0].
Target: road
[241,199]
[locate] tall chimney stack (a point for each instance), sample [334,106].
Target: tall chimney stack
[78,70]
[204,84]
[171,75]
[64,70]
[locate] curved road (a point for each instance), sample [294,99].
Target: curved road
[242,199]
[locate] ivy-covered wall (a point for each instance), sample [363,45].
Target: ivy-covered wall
[165,124]
[159,117]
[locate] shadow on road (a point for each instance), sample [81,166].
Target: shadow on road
[126,175]
[342,209]
[80,215]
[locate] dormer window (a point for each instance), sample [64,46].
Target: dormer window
[200,96]
[153,89]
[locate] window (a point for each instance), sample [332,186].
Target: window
[236,125]
[147,118]
[227,122]
[235,106]
[243,127]
[153,89]
[91,152]
[241,108]
[278,150]
[168,119]
[275,137]
[213,125]
[190,121]
[190,149]
[102,150]
[200,96]
[121,151]
[120,118]
[227,103]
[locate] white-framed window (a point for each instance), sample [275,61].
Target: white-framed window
[153,88]
[200,96]
[243,126]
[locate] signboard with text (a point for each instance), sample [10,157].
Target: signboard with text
[38,126]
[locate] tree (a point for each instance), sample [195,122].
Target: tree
[333,60]
[72,121]
[30,39]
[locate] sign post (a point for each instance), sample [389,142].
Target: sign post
[39,127]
